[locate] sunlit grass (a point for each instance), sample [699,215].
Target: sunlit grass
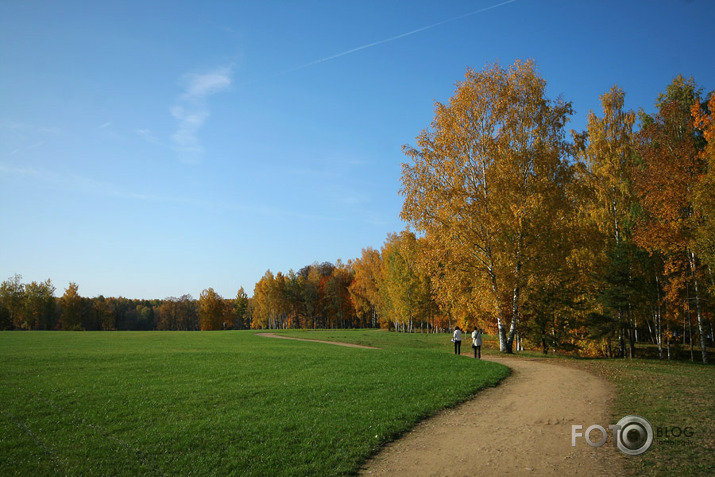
[173,403]
[670,395]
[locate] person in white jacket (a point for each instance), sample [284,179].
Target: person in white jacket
[457,340]
[477,343]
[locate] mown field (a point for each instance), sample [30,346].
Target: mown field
[217,403]
[678,399]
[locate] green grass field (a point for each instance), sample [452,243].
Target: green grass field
[218,403]
[676,397]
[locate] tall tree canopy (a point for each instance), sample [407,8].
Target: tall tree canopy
[212,310]
[71,308]
[667,179]
[486,182]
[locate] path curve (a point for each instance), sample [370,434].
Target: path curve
[338,343]
[520,427]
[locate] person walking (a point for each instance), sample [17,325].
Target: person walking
[477,343]
[457,340]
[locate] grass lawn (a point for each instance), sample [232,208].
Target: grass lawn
[217,403]
[673,396]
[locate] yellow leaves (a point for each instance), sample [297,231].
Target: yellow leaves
[487,184]
[212,310]
[671,172]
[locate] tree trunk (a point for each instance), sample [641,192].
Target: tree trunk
[659,316]
[659,332]
[631,334]
[514,315]
[668,349]
[509,342]
[504,344]
[690,337]
[502,335]
[621,338]
[701,327]
[651,332]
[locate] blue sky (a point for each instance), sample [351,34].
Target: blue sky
[153,149]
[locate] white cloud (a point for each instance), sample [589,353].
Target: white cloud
[148,136]
[191,111]
[200,86]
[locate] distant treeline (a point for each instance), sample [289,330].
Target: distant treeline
[318,296]
[34,306]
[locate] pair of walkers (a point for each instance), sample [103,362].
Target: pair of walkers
[476,342]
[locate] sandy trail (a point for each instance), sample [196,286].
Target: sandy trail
[349,345]
[520,427]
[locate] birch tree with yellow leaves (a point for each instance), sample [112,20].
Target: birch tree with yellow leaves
[486,183]
[606,153]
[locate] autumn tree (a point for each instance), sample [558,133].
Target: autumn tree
[71,304]
[313,294]
[263,303]
[337,302]
[405,286]
[365,288]
[212,310]
[606,154]
[485,182]
[281,302]
[178,314]
[667,179]
[168,314]
[309,279]
[553,296]
[188,313]
[704,193]
[316,296]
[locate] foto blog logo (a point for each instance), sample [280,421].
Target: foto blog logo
[633,435]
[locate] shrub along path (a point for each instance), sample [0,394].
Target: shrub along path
[520,427]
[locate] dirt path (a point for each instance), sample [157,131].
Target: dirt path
[521,427]
[349,345]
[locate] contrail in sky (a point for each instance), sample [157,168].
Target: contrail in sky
[393,38]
